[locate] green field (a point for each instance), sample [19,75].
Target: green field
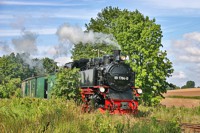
[60,116]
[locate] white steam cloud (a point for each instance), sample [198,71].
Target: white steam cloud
[33,63]
[26,46]
[61,49]
[75,35]
[26,43]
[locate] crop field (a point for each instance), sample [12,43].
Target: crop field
[183,92]
[182,97]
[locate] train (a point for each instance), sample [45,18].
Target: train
[107,84]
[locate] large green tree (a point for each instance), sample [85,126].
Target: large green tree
[140,39]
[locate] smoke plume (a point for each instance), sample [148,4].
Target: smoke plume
[76,35]
[61,49]
[26,43]
[33,63]
[26,46]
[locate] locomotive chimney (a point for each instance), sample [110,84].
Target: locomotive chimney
[116,54]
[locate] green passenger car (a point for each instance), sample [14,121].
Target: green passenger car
[39,86]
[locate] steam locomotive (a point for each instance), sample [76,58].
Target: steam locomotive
[107,84]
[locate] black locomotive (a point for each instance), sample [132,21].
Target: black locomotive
[107,83]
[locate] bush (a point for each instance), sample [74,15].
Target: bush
[67,84]
[10,88]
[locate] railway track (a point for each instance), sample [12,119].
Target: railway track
[190,128]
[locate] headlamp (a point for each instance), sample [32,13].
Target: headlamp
[139,91]
[123,58]
[101,89]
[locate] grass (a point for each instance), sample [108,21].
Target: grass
[57,115]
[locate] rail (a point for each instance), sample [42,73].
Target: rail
[190,128]
[185,127]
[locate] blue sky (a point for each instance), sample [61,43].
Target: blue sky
[39,20]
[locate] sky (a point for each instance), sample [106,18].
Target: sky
[33,25]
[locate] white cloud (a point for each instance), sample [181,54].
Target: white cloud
[193,50]
[6,16]
[19,23]
[4,48]
[170,8]
[194,4]
[76,13]
[188,48]
[179,75]
[71,16]
[25,3]
[4,33]
[186,58]
[45,31]
[194,36]
[178,78]
[80,13]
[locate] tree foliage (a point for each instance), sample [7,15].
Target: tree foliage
[11,72]
[67,84]
[189,84]
[140,39]
[10,87]
[49,65]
